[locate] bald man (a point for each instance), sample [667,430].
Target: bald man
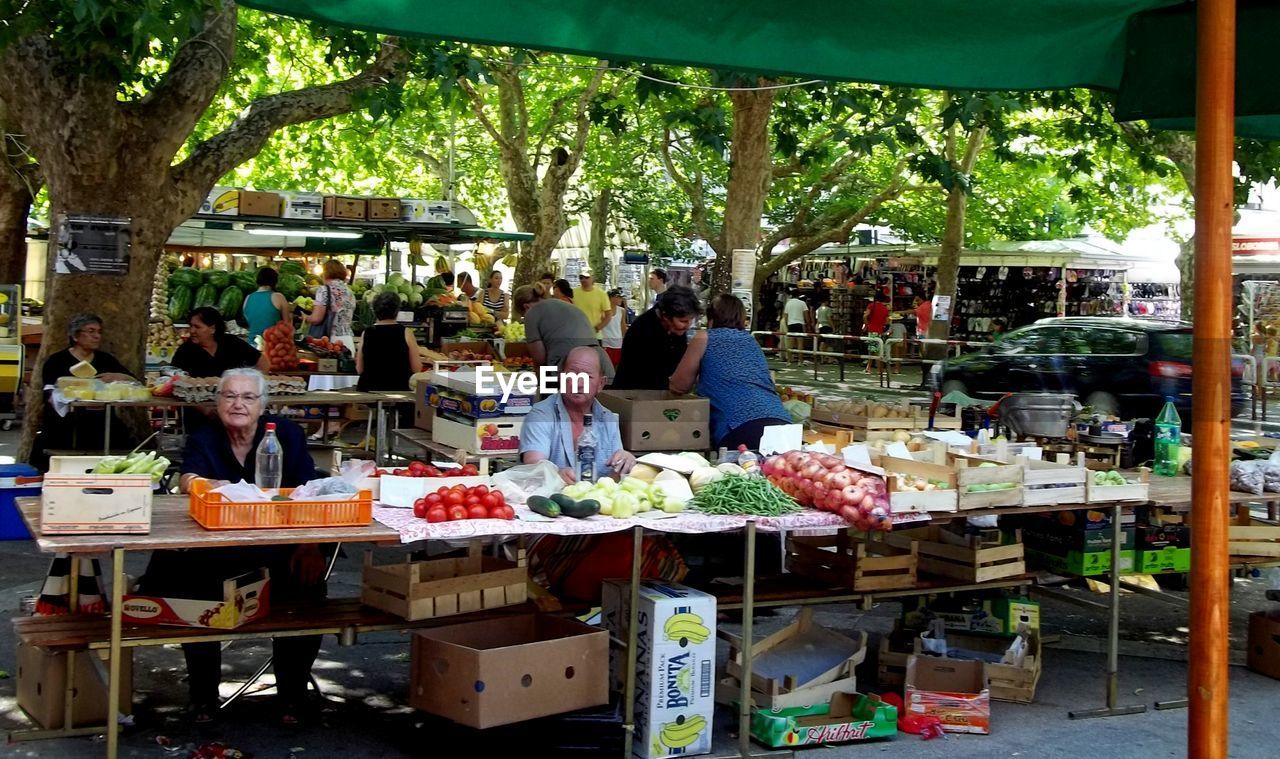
[553,426]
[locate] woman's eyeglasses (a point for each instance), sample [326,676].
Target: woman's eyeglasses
[246,397]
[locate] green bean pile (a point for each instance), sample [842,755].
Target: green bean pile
[737,494]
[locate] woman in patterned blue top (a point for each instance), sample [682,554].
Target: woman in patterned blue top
[728,368]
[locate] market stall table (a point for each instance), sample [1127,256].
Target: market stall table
[323,398]
[422,439]
[172,527]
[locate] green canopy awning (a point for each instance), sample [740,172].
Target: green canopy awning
[1143,49]
[490,234]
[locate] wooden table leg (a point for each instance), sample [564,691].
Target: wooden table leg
[113,680]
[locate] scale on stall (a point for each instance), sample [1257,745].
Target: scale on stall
[440,323]
[10,352]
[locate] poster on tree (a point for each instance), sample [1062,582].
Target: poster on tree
[93,245]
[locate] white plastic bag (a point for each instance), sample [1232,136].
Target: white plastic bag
[1247,477]
[520,482]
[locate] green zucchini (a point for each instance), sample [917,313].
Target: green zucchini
[544,506]
[581,509]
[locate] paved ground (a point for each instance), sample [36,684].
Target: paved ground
[365,715]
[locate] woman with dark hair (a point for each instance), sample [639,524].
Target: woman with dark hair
[84,335]
[655,342]
[388,355]
[494,299]
[726,366]
[265,307]
[211,351]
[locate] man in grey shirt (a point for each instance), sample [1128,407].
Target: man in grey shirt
[553,328]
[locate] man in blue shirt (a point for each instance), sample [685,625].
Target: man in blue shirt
[553,426]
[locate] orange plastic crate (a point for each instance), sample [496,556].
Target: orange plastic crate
[213,513]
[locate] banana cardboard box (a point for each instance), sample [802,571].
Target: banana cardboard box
[675,665]
[245,599]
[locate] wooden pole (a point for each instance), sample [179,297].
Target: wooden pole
[1211,384]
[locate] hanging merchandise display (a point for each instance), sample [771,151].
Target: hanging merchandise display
[1161,301]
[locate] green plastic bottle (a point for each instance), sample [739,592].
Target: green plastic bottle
[1168,440]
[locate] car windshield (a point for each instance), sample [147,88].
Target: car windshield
[1173,345]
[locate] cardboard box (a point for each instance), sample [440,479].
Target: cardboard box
[800,665]
[655,420]
[1000,616]
[1081,563]
[477,406]
[1053,537]
[477,347]
[952,690]
[675,664]
[383,209]
[245,599]
[73,503]
[1168,559]
[259,203]
[417,210]
[848,717]
[509,669]
[302,205]
[1089,519]
[221,201]
[1154,537]
[343,207]
[1008,679]
[1264,643]
[401,492]
[423,414]
[42,684]
[501,433]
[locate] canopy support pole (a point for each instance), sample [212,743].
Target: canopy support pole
[1211,383]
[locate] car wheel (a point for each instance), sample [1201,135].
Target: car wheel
[1102,403]
[953,386]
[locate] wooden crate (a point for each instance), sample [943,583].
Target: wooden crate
[442,587]
[1254,541]
[970,471]
[1048,482]
[959,557]
[940,421]
[846,561]
[915,500]
[1134,491]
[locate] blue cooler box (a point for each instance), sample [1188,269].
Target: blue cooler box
[16,481]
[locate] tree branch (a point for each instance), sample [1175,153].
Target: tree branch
[249,133]
[553,120]
[834,227]
[697,203]
[194,76]
[971,150]
[478,108]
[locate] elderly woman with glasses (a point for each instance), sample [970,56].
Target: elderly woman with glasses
[84,335]
[224,451]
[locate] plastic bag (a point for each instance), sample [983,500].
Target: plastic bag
[1247,477]
[325,489]
[519,482]
[1270,476]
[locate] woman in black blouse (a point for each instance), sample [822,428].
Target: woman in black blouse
[388,355]
[211,351]
[84,333]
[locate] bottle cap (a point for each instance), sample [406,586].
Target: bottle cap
[271,426]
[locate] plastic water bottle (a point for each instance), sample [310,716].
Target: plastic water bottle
[1168,440]
[587,451]
[269,466]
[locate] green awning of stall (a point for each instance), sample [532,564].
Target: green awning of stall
[1141,49]
[490,234]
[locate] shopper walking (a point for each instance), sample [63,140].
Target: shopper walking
[613,333]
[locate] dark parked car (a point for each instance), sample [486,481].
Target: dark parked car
[1122,366]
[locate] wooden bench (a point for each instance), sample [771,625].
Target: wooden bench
[343,617]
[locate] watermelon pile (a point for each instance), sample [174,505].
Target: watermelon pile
[189,289]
